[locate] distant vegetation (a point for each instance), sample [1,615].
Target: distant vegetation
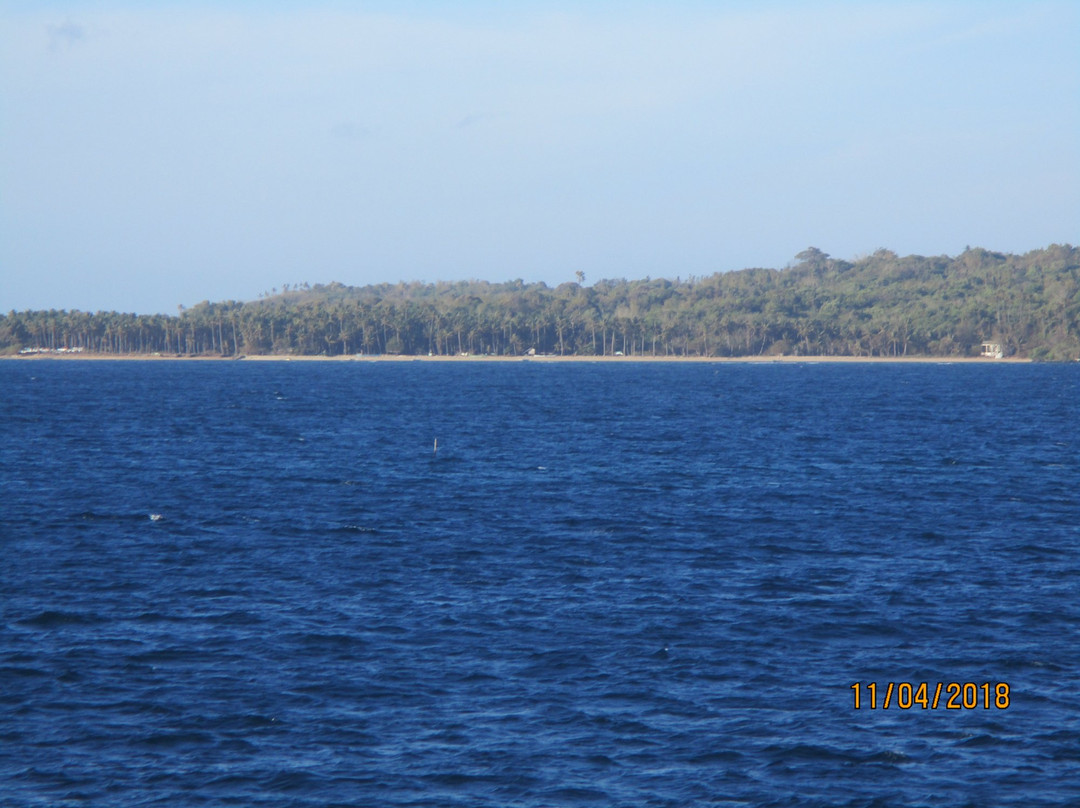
[880,305]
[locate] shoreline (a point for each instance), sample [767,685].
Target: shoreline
[82,357]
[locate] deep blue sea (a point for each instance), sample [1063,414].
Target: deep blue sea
[257,584]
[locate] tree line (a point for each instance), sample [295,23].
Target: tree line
[881,305]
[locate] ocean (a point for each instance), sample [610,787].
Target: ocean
[261,584]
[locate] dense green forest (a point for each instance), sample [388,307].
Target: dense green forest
[879,305]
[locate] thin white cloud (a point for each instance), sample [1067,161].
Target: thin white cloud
[350,130]
[64,35]
[471,119]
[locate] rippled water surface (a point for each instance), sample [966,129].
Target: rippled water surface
[613,585]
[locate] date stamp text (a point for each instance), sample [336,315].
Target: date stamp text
[931,696]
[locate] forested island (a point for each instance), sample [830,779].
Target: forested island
[881,305]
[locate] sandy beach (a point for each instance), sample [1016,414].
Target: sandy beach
[83,357]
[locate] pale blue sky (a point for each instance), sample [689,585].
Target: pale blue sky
[162,155]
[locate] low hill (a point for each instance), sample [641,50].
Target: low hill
[879,305]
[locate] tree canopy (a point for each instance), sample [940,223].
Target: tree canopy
[878,305]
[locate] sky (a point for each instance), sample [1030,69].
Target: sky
[157,155]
